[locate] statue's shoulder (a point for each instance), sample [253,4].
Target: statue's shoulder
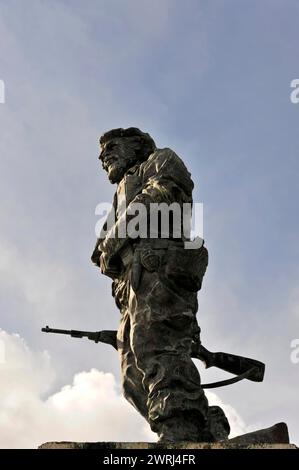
[163,155]
[161,159]
[165,164]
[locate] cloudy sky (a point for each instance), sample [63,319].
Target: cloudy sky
[210,79]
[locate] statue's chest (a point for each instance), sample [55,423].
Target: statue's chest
[127,189]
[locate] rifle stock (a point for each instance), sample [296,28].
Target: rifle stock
[230,362]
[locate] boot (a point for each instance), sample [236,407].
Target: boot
[217,426]
[184,427]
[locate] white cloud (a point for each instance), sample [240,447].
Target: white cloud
[89,409]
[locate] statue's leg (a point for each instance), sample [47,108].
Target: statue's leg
[131,376]
[162,322]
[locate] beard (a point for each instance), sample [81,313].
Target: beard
[120,163]
[116,172]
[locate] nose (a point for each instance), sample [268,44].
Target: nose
[102,155]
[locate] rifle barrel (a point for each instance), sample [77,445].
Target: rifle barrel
[104,336]
[55,330]
[73,333]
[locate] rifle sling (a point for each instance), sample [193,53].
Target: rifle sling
[233,380]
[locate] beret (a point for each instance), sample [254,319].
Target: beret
[129,132]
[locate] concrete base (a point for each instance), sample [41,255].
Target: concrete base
[154,446]
[275,437]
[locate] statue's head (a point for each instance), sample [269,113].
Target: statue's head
[123,148]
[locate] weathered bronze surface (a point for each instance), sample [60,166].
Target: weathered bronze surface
[156,277]
[155,285]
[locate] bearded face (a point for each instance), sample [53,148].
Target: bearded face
[117,156]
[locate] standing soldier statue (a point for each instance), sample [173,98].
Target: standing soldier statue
[155,285]
[157,271]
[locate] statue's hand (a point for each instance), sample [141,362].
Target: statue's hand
[96,256]
[109,245]
[109,266]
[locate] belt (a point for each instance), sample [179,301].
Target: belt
[159,243]
[127,252]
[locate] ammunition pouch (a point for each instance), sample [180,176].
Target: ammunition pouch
[186,267]
[182,267]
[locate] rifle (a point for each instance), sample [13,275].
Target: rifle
[104,336]
[242,367]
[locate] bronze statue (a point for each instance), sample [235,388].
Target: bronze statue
[155,285]
[157,272]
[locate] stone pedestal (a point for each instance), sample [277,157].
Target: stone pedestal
[152,446]
[275,437]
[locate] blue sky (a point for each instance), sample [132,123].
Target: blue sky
[210,79]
